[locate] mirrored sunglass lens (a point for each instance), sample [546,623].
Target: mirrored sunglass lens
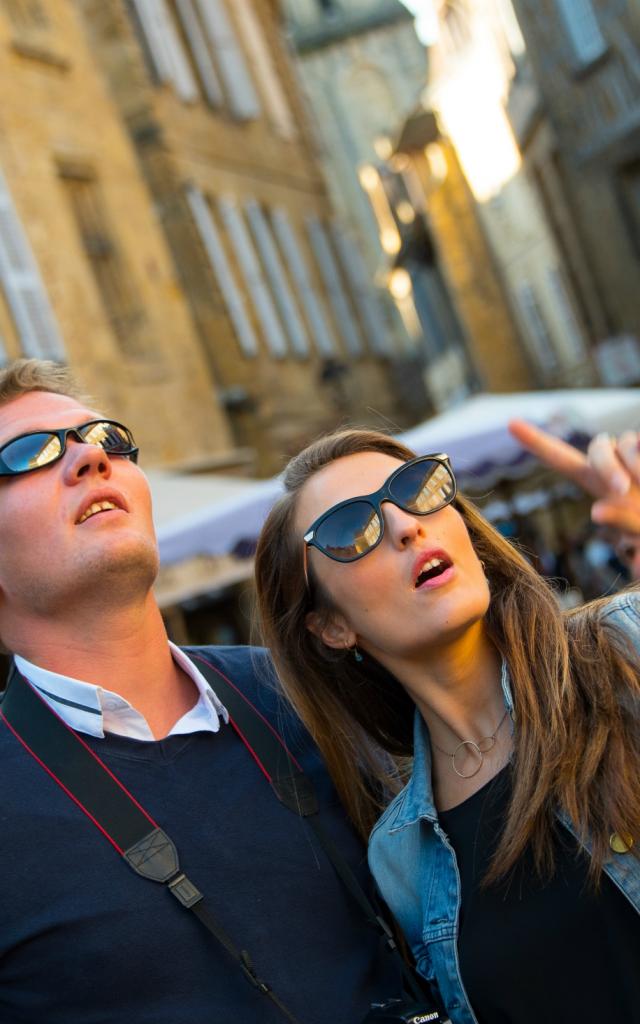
[423,486]
[31,452]
[110,436]
[349,531]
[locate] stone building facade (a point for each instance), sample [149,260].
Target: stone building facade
[444,200]
[279,295]
[86,275]
[368,51]
[586,57]
[488,105]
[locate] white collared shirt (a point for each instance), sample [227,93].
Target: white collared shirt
[93,710]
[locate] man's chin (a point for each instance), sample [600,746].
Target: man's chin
[131,568]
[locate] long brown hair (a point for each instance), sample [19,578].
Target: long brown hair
[576,685]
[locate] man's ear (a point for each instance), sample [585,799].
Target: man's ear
[333,631]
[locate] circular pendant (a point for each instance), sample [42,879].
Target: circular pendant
[476,750]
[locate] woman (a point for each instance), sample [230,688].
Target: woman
[402,624]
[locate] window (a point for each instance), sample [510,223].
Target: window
[110,268]
[26,296]
[265,70]
[229,59]
[367,302]
[231,294]
[332,282]
[253,276]
[297,267]
[572,340]
[26,15]
[431,302]
[536,328]
[165,49]
[277,278]
[582,29]
[200,52]
[629,197]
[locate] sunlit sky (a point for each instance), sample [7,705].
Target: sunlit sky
[425,18]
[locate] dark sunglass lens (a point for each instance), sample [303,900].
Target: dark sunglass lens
[423,486]
[110,436]
[31,451]
[350,531]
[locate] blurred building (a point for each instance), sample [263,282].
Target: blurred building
[86,275]
[364,70]
[280,296]
[488,105]
[586,56]
[445,211]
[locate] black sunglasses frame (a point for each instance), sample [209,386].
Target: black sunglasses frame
[62,436]
[375,499]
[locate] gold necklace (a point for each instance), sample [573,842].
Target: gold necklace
[475,747]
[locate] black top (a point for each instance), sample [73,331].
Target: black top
[532,951]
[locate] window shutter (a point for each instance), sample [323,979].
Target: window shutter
[23,287]
[295,263]
[241,93]
[200,51]
[277,278]
[333,284]
[265,70]
[367,302]
[572,338]
[164,44]
[582,29]
[537,330]
[255,282]
[232,297]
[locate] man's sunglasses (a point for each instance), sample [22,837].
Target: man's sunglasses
[43,447]
[351,529]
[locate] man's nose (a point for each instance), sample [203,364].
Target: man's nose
[401,527]
[81,460]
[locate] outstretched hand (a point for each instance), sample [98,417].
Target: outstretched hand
[609,472]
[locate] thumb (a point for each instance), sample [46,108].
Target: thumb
[621,514]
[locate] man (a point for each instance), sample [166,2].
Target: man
[82,937]
[609,472]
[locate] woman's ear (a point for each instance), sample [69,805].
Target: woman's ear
[333,631]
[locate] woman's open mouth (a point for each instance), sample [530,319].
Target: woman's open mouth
[435,571]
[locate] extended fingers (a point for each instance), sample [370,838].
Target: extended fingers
[558,455]
[605,458]
[629,452]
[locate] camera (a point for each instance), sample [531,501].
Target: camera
[396,1011]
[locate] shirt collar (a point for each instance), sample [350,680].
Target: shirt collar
[417,801]
[93,710]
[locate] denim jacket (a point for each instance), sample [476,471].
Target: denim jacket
[415,866]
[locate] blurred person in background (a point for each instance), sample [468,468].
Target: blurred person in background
[404,626]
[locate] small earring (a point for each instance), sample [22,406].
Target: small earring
[356,653]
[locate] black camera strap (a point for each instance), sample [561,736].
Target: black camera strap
[78,770]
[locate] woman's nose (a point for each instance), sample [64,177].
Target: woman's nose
[401,527]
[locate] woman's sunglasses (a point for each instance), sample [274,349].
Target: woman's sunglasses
[351,529]
[43,447]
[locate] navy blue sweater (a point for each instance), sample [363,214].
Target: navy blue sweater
[84,940]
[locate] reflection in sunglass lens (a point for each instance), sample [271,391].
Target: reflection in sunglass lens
[423,486]
[111,436]
[349,531]
[31,451]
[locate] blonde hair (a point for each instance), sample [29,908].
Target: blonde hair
[25,375]
[576,686]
